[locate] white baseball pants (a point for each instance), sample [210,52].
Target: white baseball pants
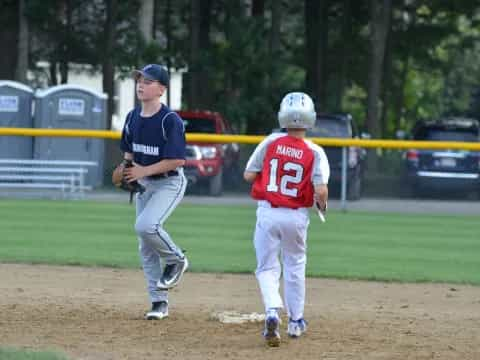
[156,247]
[281,232]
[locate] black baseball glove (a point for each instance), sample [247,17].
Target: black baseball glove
[118,179]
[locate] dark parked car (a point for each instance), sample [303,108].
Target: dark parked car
[342,126]
[445,170]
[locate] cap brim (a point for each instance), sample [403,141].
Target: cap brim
[137,73]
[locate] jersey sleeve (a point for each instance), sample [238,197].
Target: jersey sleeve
[255,163]
[321,167]
[127,135]
[174,130]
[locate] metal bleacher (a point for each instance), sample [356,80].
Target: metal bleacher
[66,176]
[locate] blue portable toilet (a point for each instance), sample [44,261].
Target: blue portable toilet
[16,111]
[71,107]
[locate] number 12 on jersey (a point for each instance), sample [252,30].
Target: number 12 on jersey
[280,177]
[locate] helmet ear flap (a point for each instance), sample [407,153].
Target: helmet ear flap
[297,111]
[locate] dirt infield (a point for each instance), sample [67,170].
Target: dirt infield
[98,314]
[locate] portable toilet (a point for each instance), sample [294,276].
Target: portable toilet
[71,107]
[16,111]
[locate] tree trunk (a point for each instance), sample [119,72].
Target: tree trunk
[345,52]
[316,38]
[400,87]
[64,51]
[195,16]
[9,39]
[380,22]
[199,92]
[22,62]
[145,19]
[258,14]
[311,39]
[322,78]
[274,45]
[386,90]
[145,16]
[400,95]
[275,29]
[108,65]
[52,68]
[168,35]
[258,7]
[112,152]
[205,89]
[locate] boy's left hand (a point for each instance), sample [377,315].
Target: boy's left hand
[135,172]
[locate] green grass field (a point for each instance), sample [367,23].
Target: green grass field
[15,354]
[353,245]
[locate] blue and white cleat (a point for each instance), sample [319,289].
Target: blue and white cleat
[159,311]
[296,327]
[172,274]
[272,330]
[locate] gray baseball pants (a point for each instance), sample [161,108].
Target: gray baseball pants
[156,247]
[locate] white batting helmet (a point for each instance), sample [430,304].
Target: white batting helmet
[297,111]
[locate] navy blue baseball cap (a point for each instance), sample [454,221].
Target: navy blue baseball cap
[153,72]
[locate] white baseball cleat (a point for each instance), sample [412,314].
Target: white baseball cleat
[159,311]
[296,327]
[272,329]
[172,274]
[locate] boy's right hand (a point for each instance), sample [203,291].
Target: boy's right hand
[321,210]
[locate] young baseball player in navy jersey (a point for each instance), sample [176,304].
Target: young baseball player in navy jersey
[289,175]
[154,138]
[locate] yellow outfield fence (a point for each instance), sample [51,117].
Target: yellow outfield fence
[251,139]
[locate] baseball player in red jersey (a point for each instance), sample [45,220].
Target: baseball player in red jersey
[289,175]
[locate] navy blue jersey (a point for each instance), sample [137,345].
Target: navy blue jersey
[154,138]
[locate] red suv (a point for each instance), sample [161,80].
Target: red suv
[209,162]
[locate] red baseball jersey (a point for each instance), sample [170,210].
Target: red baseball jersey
[286,176]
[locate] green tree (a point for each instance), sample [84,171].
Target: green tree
[243,56]
[429,45]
